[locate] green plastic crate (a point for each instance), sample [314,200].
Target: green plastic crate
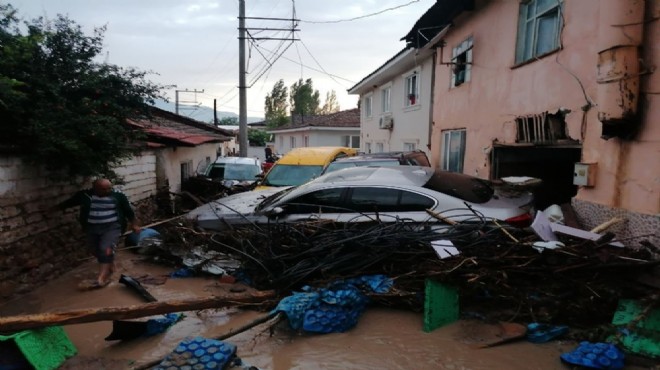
[440,305]
[45,348]
[644,337]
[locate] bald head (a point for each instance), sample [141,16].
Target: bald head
[102,187]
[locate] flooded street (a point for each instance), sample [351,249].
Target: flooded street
[383,338]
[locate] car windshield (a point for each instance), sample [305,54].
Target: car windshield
[291,175]
[468,188]
[233,171]
[334,166]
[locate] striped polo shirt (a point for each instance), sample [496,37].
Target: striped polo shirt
[103,210]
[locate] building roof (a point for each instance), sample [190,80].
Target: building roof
[437,17]
[430,24]
[347,118]
[167,128]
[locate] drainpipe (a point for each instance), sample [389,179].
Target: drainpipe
[620,33]
[431,104]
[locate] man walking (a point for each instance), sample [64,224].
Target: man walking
[104,215]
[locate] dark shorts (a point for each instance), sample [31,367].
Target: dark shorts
[102,240]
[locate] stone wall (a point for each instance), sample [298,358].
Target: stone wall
[37,245]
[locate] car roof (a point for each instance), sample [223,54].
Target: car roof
[367,157]
[237,160]
[320,155]
[399,175]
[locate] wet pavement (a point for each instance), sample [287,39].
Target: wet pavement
[383,338]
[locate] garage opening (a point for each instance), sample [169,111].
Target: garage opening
[552,164]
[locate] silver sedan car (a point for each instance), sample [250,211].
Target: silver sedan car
[363,194]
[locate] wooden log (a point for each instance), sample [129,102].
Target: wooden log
[24,322]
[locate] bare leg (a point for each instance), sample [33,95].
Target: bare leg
[105,273]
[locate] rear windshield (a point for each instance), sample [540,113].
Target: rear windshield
[291,175]
[465,187]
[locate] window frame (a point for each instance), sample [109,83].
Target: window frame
[411,98]
[386,99]
[292,142]
[527,50]
[369,106]
[461,59]
[449,163]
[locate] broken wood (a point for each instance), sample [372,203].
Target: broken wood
[437,216]
[605,225]
[24,322]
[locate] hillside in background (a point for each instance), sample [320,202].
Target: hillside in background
[200,113]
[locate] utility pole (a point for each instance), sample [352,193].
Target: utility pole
[177,103]
[243,34]
[242,88]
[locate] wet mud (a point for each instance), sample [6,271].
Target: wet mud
[383,338]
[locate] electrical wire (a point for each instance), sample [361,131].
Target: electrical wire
[363,16]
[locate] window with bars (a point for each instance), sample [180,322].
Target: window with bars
[540,128]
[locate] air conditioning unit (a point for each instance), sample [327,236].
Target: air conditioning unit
[386,122]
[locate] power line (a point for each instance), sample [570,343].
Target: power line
[363,16]
[311,68]
[319,64]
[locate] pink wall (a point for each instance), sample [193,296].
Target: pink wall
[628,171]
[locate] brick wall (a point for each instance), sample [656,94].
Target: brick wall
[36,245]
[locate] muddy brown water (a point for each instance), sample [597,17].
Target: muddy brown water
[383,338]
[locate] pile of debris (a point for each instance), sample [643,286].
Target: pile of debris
[501,272]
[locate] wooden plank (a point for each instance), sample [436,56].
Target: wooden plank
[24,322]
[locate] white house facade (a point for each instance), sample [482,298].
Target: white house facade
[396,102]
[337,129]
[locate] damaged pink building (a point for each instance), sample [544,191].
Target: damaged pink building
[566,91]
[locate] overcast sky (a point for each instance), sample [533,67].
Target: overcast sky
[193,44]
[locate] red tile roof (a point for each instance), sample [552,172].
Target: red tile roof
[345,118]
[168,128]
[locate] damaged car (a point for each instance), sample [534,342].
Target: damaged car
[370,194]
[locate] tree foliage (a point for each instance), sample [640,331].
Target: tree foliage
[304,99]
[228,121]
[59,107]
[331,105]
[258,137]
[276,105]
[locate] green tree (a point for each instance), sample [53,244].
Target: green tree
[303,98]
[331,105]
[258,137]
[275,107]
[228,121]
[59,107]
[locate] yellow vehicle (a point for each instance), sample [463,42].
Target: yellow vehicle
[303,164]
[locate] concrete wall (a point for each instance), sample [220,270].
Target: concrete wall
[499,91]
[169,160]
[36,245]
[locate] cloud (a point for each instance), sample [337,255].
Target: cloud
[193,44]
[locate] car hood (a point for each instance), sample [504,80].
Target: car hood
[233,206]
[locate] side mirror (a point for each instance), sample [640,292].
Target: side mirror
[274,212]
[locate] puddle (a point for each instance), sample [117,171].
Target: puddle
[383,338]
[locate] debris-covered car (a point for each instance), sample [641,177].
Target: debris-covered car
[362,194]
